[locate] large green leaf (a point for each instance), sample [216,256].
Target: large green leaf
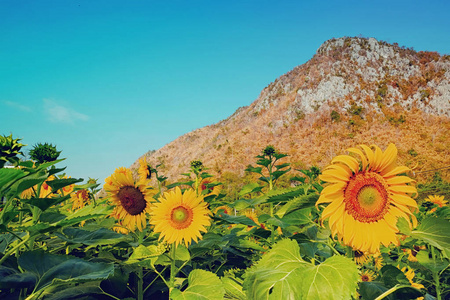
[45,203]
[85,290]
[51,269]
[233,288]
[202,285]
[10,278]
[283,274]
[101,236]
[8,176]
[436,232]
[145,256]
[60,183]
[299,202]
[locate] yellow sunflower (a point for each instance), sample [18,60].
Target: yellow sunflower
[367,276]
[409,273]
[360,257]
[215,190]
[28,193]
[180,217]
[366,197]
[79,199]
[144,169]
[226,209]
[67,189]
[131,199]
[46,190]
[438,200]
[378,261]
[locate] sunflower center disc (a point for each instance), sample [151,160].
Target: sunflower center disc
[366,197]
[181,217]
[132,200]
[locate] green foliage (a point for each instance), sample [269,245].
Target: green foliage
[355,109]
[335,116]
[42,153]
[268,242]
[9,150]
[283,274]
[202,285]
[412,152]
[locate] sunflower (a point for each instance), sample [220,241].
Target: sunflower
[360,257]
[28,193]
[46,190]
[254,217]
[144,170]
[367,276]
[438,200]
[225,209]
[131,199]
[409,273]
[378,261]
[180,217]
[366,197]
[79,199]
[67,189]
[215,190]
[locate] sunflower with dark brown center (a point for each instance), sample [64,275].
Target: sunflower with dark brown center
[366,197]
[131,199]
[180,217]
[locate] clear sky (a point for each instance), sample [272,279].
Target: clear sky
[107,81]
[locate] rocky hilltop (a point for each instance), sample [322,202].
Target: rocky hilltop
[352,91]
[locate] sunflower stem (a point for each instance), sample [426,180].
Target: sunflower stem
[392,290]
[172,266]
[436,275]
[140,284]
[7,254]
[272,237]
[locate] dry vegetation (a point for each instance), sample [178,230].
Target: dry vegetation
[372,93]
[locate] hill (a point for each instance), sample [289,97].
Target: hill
[352,91]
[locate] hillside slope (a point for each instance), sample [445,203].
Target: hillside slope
[352,91]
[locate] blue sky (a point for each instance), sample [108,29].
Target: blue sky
[106,81]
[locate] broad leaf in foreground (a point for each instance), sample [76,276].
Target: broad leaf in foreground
[283,274]
[202,285]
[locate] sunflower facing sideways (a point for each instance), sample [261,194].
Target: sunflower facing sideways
[131,199]
[366,197]
[180,217]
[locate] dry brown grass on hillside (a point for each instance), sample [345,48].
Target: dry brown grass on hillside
[422,141]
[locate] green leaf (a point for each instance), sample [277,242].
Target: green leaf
[282,274]
[233,288]
[8,176]
[101,236]
[51,269]
[298,217]
[58,184]
[237,220]
[392,276]
[435,265]
[285,195]
[202,285]
[436,232]
[72,291]
[372,289]
[10,279]
[250,188]
[189,183]
[45,203]
[298,203]
[145,256]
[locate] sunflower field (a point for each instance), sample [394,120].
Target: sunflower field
[358,229]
